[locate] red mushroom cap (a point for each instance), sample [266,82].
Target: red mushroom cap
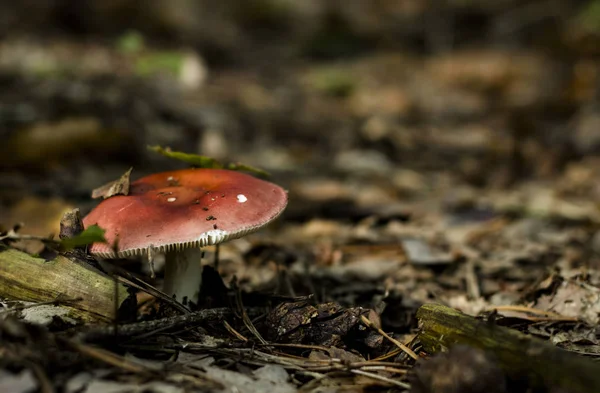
[185,208]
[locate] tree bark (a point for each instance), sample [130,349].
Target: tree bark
[87,294]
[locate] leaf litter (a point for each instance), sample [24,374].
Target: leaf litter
[363,273]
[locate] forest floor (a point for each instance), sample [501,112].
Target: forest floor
[467,177]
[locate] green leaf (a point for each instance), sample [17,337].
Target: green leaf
[92,234]
[207,162]
[192,159]
[238,166]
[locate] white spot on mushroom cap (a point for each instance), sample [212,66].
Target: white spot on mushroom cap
[241,198]
[212,237]
[170,178]
[172,199]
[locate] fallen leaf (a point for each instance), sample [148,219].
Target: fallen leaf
[199,161]
[270,378]
[192,159]
[116,187]
[573,299]
[92,234]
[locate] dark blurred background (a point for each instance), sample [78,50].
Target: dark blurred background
[373,102]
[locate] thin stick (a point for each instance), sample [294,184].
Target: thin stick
[231,330]
[388,355]
[97,333]
[108,357]
[548,314]
[245,318]
[403,347]
[381,378]
[385,368]
[299,346]
[471,280]
[45,384]
[372,363]
[137,283]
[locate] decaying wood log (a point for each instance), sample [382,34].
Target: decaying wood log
[519,355]
[88,294]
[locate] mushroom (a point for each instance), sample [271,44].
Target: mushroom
[178,213]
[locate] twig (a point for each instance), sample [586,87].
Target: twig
[471,280]
[385,368]
[403,347]
[107,357]
[549,315]
[389,354]
[382,378]
[373,363]
[240,306]
[135,282]
[310,386]
[300,346]
[231,330]
[98,333]
[45,384]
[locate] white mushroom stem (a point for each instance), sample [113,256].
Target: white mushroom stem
[183,275]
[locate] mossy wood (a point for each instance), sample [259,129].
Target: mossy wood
[520,355]
[23,277]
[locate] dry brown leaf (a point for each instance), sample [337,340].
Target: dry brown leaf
[116,187]
[573,299]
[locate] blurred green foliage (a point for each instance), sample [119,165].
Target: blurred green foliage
[333,81]
[148,62]
[154,63]
[589,16]
[132,41]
